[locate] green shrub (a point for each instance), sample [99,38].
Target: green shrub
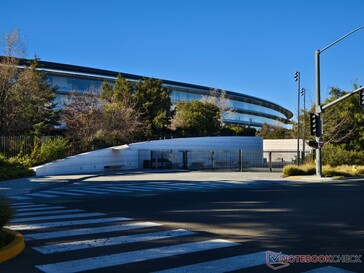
[337,155]
[11,170]
[6,212]
[49,150]
[291,170]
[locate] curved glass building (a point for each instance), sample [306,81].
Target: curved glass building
[246,110]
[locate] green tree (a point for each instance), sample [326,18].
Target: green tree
[26,99]
[154,104]
[196,118]
[344,122]
[149,98]
[268,131]
[237,130]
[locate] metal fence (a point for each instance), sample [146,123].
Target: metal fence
[234,160]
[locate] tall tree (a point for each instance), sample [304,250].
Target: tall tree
[268,131]
[196,118]
[344,122]
[154,103]
[26,99]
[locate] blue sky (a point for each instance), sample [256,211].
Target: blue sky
[247,46]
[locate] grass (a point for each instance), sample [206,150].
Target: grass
[327,170]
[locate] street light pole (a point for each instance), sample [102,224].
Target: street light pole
[303,93]
[318,100]
[297,78]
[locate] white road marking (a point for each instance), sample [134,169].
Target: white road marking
[62,216]
[29,206]
[329,269]
[22,204]
[67,223]
[19,198]
[42,195]
[87,231]
[22,214]
[121,189]
[63,193]
[77,245]
[133,256]
[222,265]
[39,208]
[87,191]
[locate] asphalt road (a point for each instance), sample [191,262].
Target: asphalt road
[292,218]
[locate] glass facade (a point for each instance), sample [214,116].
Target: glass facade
[244,112]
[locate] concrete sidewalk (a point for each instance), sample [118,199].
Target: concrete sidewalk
[33,184]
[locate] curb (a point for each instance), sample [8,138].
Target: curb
[12,249]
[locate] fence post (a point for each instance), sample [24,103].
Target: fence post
[241,159]
[270,161]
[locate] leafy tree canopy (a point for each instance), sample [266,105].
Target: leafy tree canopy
[196,118]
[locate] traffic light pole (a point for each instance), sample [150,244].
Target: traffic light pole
[319,108]
[318,113]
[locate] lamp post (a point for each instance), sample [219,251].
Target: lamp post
[303,93]
[297,78]
[318,101]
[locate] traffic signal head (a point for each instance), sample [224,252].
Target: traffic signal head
[313,124]
[361,98]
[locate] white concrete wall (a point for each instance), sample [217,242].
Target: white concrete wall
[129,157]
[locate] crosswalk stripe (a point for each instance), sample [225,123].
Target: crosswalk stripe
[39,208]
[329,269]
[114,190]
[42,195]
[22,204]
[92,230]
[60,211]
[62,216]
[64,193]
[222,265]
[86,191]
[67,223]
[93,243]
[20,197]
[119,188]
[133,256]
[29,206]
[138,188]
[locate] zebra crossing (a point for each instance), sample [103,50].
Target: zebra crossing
[52,235]
[127,188]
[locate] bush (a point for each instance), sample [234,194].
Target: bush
[11,170]
[291,170]
[6,212]
[50,150]
[337,155]
[327,170]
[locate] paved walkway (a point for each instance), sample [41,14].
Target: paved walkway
[33,184]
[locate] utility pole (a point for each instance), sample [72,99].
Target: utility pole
[303,93]
[297,78]
[319,108]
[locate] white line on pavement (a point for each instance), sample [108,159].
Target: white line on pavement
[62,216]
[222,265]
[329,269]
[86,244]
[67,223]
[22,214]
[87,231]
[133,256]
[39,208]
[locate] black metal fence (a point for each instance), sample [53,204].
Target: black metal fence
[234,160]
